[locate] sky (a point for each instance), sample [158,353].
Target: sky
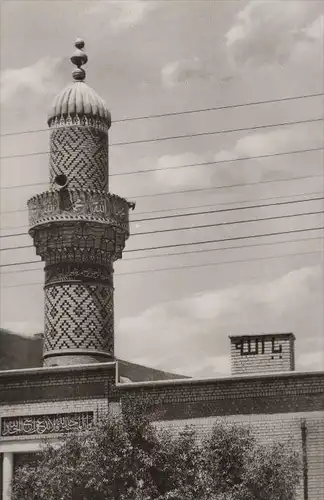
[176,312]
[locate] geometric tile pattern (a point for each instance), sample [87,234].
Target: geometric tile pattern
[81,153]
[79,316]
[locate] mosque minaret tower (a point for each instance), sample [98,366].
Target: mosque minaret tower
[79,228]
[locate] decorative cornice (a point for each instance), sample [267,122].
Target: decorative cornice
[69,252]
[79,121]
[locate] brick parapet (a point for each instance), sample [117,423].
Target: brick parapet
[275,393]
[286,391]
[84,382]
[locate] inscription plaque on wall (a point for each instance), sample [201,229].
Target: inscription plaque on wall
[250,347]
[45,424]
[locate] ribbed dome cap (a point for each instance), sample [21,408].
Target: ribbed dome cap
[78,99]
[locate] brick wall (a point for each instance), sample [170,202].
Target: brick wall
[274,406]
[278,427]
[262,353]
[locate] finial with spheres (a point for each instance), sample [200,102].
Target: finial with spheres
[79,58]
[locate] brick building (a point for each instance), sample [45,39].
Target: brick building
[79,229]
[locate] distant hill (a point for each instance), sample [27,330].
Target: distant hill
[17,351]
[140,373]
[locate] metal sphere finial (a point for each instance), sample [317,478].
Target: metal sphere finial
[79,43]
[79,58]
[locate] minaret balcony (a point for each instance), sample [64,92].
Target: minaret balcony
[88,226]
[78,205]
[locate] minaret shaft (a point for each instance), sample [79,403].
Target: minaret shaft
[80,153]
[79,312]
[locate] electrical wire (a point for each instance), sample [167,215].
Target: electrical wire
[177,268]
[228,223]
[224,203]
[194,243]
[202,226]
[210,205]
[192,214]
[183,136]
[188,252]
[234,209]
[198,190]
[178,113]
[191,165]
[234,238]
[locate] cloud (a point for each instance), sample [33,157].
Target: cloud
[38,78]
[190,335]
[122,15]
[270,142]
[312,360]
[262,144]
[269,32]
[131,13]
[176,177]
[275,141]
[178,72]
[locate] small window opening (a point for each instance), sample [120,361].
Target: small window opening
[60,180]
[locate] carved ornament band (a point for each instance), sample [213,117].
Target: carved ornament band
[85,256]
[78,205]
[62,273]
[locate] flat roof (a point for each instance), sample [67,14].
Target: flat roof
[249,335]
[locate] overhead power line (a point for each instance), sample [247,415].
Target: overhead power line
[234,238]
[229,223]
[186,112]
[198,190]
[193,243]
[208,250]
[234,209]
[206,212]
[202,226]
[178,268]
[224,203]
[183,136]
[210,205]
[174,254]
[191,165]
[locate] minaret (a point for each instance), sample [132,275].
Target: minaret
[79,228]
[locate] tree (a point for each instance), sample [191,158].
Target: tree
[126,457]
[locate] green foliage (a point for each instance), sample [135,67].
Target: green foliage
[126,457]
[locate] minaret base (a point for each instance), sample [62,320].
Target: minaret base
[62,359]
